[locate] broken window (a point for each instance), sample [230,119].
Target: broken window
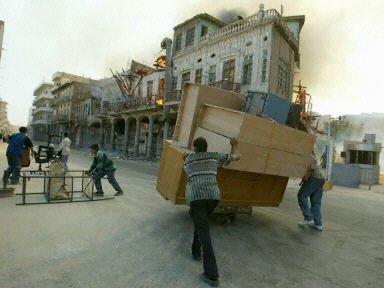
[204,31]
[212,75]
[247,69]
[264,66]
[185,77]
[198,75]
[283,77]
[229,71]
[190,37]
[178,42]
[149,89]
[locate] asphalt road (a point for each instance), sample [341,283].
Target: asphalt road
[141,240]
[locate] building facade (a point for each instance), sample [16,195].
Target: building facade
[134,111]
[5,127]
[257,53]
[42,112]
[72,104]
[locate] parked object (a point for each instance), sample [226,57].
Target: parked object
[267,105]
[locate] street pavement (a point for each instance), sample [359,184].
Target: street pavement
[141,240]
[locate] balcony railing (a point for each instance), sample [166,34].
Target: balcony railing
[59,118]
[174,96]
[43,121]
[42,109]
[227,85]
[42,97]
[62,98]
[251,21]
[130,103]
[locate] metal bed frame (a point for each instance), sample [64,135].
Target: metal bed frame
[79,195]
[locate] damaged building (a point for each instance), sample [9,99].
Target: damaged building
[135,110]
[257,53]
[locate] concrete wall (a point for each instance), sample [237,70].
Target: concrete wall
[280,52]
[346,175]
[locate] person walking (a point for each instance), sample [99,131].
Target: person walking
[203,196]
[102,165]
[65,148]
[16,144]
[312,188]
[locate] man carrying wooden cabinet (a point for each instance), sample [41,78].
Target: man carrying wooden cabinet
[203,196]
[312,188]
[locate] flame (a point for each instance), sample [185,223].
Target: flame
[160,62]
[159,101]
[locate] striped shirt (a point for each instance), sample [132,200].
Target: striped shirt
[201,170]
[316,172]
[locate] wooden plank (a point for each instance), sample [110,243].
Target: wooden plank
[171,169]
[255,158]
[255,130]
[283,164]
[220,120]
[193,97]
[292,140]
[216,142]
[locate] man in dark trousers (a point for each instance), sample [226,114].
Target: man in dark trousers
[16,144]
[102,165]
[203,196]
[312,188]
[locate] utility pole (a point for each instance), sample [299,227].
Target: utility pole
[167,45]
[330,151]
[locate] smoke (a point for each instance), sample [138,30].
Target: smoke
[231,15]
[339,44]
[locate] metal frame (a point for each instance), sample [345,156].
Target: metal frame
[73,195]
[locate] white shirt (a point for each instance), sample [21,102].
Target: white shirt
[65,146]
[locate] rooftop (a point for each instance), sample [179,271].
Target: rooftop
[204,16]
[41,87]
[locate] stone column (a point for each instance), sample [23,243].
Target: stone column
[113,142]
[166,130]
[137,137]
[101,134]
[126,134]
[150,136]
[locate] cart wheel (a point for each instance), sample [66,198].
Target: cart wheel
[225,220]
[232,217]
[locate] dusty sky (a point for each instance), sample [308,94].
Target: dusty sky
[341,44]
